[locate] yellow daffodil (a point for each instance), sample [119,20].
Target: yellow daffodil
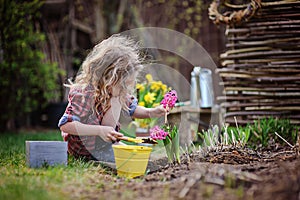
[156,85]
[149,97]
[164,88]
[140,87]
[150,94]
[143,124]
[141,103]
[149,78]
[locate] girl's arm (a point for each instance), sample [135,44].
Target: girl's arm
[142,112]
[107,133]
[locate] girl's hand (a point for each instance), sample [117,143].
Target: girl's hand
[108,134]
[158,111]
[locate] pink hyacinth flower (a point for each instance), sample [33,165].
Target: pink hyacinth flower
[157,133]
[170,99]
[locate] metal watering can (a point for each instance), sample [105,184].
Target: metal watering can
[201,94]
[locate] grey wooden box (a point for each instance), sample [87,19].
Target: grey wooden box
[46,153]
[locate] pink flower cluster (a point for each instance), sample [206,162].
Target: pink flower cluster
[170,99]
[157,133]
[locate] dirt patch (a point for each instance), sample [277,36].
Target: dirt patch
[228,173]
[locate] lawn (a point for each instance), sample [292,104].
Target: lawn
[17,181]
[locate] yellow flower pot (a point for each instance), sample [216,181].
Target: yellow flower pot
[131,161]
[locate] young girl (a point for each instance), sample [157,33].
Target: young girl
[101,91]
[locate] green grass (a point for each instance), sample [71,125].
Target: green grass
[17,181]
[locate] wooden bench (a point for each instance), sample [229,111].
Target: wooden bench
[191,120]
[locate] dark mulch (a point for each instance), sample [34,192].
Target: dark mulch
[225,173]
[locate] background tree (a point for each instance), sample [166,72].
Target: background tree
[26,80]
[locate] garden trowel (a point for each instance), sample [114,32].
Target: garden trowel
[138,140]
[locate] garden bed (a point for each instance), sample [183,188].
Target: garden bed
[228,173]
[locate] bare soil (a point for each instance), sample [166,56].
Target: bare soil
[225,173]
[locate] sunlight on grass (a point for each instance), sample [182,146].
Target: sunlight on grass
[17,181]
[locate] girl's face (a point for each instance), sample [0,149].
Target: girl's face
[132,81]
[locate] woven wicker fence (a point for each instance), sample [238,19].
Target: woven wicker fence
[261,66]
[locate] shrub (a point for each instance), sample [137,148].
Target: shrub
[26,80]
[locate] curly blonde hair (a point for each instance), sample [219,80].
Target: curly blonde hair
[110,63]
